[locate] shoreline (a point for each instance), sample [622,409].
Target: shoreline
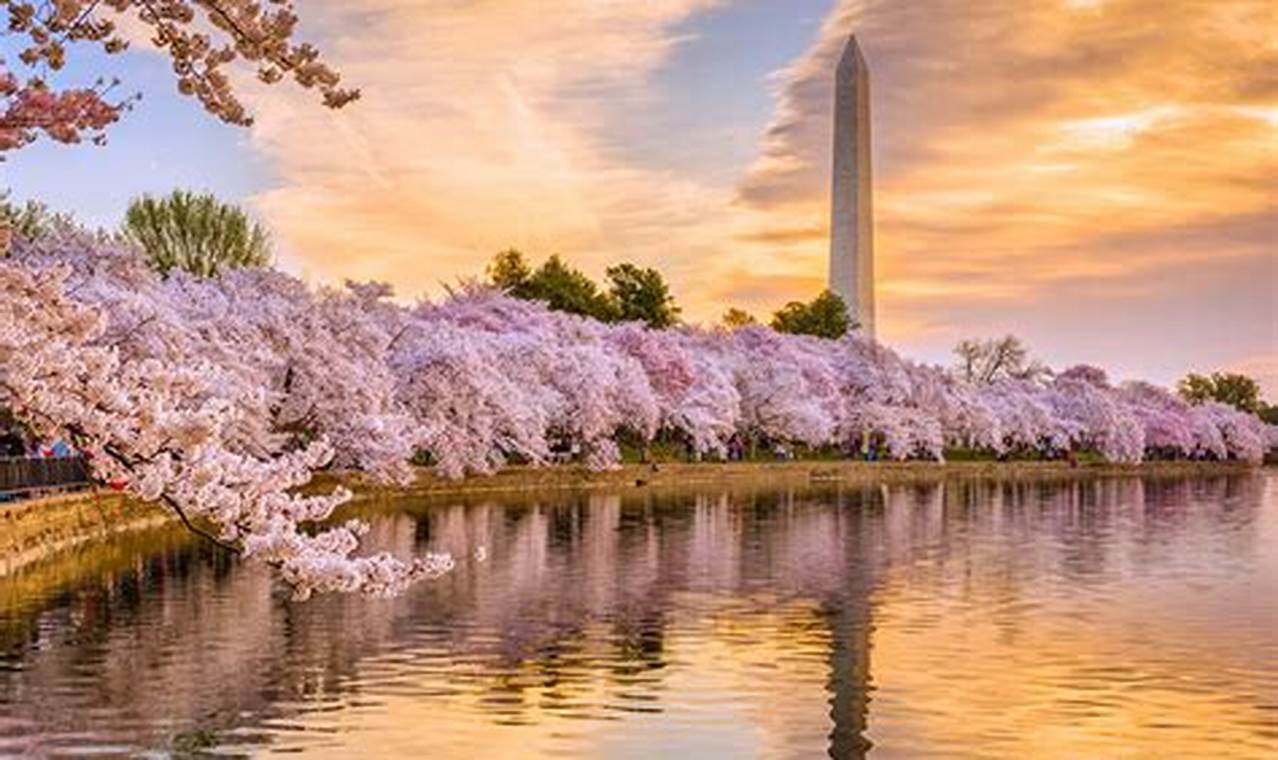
[34,530]
[790,473]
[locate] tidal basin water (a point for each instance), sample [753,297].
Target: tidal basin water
[1118,617]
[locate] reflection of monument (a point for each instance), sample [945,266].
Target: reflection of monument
[851,212]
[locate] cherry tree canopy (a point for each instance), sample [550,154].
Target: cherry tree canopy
[217,397]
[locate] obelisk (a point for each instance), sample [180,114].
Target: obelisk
[852,213]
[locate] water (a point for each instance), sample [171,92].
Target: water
[1090,618]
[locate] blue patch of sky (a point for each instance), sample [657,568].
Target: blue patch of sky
[713,96]
[166,142]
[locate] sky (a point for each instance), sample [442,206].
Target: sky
[1096,176]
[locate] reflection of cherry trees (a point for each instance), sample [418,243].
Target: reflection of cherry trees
[178,636]
[588,602]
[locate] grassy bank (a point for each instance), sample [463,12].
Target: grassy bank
[787,473]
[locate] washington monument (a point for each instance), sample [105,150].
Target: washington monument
[851,212]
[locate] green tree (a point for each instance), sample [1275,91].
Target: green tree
[509,271]
[641,295]
[826,316]
[1237,390]
[564,288]
[195,233]
[633,293]
[735,318]
[30,220]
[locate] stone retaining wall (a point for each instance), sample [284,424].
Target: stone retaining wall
[37,528]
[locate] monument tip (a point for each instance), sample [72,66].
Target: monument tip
[852,52]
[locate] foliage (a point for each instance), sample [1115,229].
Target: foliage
[641,295]
[509,271]
[634,294]
[1236,390]
[202,38]
[1269,413]
[986,361]
[734,318]
[196,234]
[826,316]
[564,288]
[31,219]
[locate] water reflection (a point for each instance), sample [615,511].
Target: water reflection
[1069,618]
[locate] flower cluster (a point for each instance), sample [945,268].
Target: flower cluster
[31,108]
[201,37]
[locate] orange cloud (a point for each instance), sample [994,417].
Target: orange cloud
[483,126]
[1023,146]
[1107,153]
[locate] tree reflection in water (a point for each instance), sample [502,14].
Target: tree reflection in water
[737,621]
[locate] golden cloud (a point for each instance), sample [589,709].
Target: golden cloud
[483,125]
[1019,148]
[1023,146]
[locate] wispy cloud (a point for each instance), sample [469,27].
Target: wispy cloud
[1030,157]
[483,125]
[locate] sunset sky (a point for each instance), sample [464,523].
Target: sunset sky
[1097,176]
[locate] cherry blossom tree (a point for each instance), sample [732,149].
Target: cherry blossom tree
[177,408]
[1244,435]
[695,387]
[1164,418]
[203,38]
[587,391]
[1093,415]
[888,400]
[469,410]
[788,390]
[1025,420]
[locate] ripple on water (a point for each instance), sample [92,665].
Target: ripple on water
[1075,619]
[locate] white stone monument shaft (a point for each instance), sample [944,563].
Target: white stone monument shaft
[852,211]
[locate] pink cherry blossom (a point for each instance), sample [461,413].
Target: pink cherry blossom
[221,397]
